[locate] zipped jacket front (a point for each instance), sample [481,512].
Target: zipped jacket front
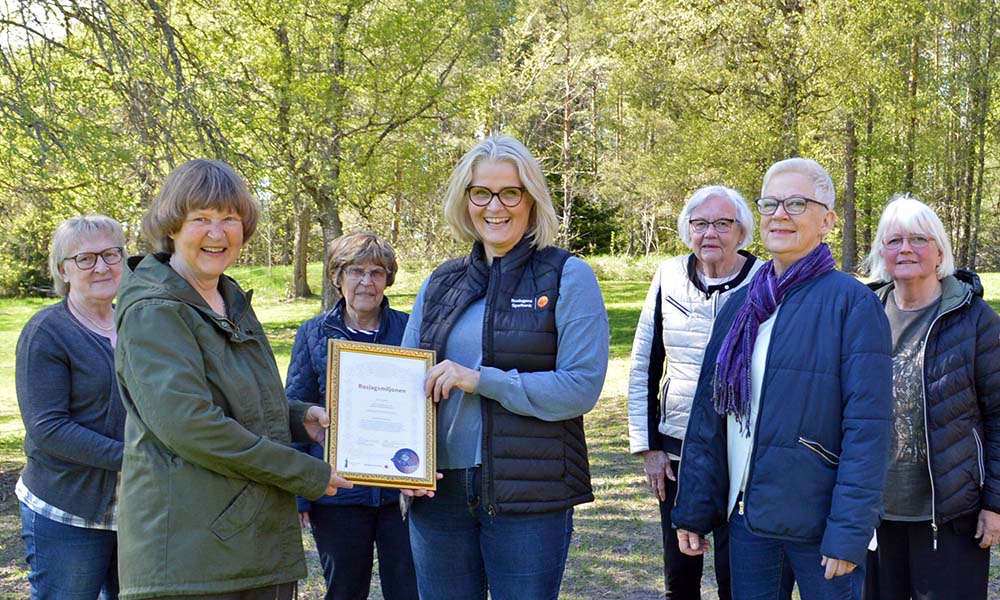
[822,434]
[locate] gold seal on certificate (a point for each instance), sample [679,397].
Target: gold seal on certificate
[381,422]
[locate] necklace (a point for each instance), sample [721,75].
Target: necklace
[89,321]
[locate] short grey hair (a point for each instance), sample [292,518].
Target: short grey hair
[822,184]
[358,247]
[543,225]
[912,216]
[70,233]
[743,214]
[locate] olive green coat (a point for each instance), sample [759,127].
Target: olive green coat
[207,499]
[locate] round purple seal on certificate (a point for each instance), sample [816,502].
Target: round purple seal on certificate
[406,460]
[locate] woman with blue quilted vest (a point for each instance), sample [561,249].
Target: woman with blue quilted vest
[349,526]
[789,429]
[941,505]
[521,336]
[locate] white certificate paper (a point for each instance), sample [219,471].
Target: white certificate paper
[382,423]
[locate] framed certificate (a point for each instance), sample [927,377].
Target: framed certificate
[381,422]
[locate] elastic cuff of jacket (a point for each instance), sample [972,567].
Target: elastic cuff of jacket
[992,508]
[677,526]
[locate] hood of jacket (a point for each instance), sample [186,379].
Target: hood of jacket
[956,289]
[151,276]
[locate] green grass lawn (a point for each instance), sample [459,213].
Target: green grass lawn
[616,548]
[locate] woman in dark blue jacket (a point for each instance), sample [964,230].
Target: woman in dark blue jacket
[348,526]
[789,429]
[941,507]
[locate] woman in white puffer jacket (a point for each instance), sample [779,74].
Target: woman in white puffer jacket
[674,327]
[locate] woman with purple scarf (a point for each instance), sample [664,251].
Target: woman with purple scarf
[788,436]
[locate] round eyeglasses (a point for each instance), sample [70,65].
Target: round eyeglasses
[794,205]
[916,241]
[720,225]
[88,260]
[482,196]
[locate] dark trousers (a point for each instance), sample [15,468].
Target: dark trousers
[682,573]
[346,537]
[909,567]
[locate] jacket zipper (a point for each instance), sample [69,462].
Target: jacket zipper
[927,435]
[818,448]
[678,306]
[680,464]
[493,289]
[979,457]
[756,427]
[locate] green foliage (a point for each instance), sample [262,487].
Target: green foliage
[350,114]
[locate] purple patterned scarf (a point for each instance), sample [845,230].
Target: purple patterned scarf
[732,388]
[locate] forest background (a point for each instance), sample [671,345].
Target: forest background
[349,114]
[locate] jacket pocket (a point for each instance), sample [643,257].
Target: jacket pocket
[818,448]
[240,512]
[680,307]
[979,457]
[664,388]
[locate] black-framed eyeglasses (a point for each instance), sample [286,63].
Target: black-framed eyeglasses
[794,205]
[88,260]
[916,241]
[721,225]
[482,196]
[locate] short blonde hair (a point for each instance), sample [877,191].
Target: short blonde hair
[359,247]
[70,233]
[542,224]
[821,181]
[912,216]
[198,185]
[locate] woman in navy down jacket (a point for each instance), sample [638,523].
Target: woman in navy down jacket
[942,493]
[789,428]
[348,526]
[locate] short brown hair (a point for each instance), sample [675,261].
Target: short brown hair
[198,184]
[359,247]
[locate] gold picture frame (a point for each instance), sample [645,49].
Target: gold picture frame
[382,425]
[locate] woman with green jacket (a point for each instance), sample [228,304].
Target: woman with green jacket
[209,479]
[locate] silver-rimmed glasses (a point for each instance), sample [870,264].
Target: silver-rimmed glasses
[917,240]
[377,275]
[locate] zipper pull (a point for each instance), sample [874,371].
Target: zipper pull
[934,534]
[492,511]
[741,507]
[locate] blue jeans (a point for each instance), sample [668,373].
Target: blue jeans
[346,537]
[460,551]
[760,564]
[69,563]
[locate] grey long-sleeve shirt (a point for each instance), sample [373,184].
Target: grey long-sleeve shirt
[569,391]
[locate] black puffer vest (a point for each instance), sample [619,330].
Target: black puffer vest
[529,465]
